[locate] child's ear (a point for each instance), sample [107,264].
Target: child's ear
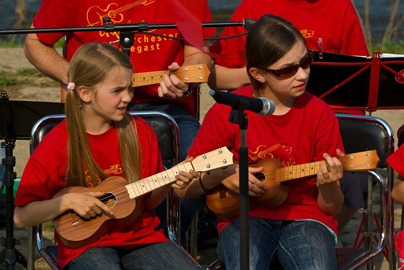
[257,74]
[84,93]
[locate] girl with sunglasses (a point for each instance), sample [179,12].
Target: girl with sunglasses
[300,233]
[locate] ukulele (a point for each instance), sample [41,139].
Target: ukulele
[225,203]
[187,74]
[75,231]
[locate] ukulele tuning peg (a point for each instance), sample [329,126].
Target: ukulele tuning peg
[199,67]
[185,69]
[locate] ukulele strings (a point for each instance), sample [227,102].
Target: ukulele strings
[123,190]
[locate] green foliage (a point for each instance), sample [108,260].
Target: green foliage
[389,47]
[48,226]
[60,43]
[14,42]
[5,80]
[28,72]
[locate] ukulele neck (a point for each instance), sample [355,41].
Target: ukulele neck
[298,171]
[147,78]
[156,181]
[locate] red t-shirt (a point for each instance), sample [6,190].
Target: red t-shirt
[44,176]
[396,160]
[300,136]
[336,22]
[149,53]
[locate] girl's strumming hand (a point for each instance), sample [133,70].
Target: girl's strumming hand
[255,186]
[87,204]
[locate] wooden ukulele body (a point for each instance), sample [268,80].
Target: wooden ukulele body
[225,204]
[80,231]
[75,231]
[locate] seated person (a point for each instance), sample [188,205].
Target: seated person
[148,54]
[98,140]
[301,232]
[336,23]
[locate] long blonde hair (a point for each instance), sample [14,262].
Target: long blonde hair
[89,66]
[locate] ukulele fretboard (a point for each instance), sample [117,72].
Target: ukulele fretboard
[147,78]
[298,171]
[151,183]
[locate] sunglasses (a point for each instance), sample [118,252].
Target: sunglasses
[290,71]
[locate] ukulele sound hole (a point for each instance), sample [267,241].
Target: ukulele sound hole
[260,176]
[109,199]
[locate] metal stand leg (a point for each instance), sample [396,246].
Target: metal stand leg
[10,254]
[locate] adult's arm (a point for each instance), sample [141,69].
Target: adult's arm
[46,59]
[172,86]
[224,78]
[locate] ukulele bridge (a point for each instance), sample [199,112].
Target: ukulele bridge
[75,219]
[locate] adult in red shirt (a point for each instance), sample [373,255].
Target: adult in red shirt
[149,53]
[335,22]
[98,140]
[338,26]
[301,232]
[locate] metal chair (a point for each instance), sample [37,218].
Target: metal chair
[168,139]
[361,133]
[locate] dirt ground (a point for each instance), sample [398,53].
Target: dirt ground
[36,87]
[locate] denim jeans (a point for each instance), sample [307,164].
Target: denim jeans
[297,245]
[159,256]
[188,127]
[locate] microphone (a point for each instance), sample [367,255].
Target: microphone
[248,23]
[262,106]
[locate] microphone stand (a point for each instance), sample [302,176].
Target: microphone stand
[110,27]
[126,35]
[238,116]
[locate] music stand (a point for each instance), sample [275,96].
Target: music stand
[355,82]
[16,121]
